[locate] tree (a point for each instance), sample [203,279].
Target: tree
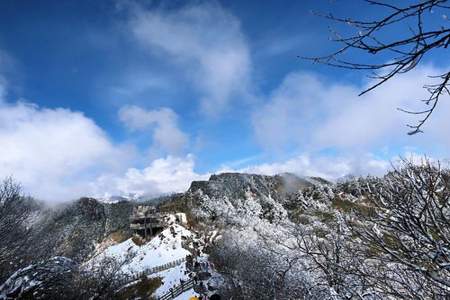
[103,278]
[259,271]
[14,211]
[408,233]
[426,28]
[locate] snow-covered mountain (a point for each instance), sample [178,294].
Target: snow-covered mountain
[246,236]
[88,229]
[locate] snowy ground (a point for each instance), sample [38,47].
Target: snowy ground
[170,278]
[162,249]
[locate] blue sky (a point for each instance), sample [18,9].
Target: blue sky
[117,97]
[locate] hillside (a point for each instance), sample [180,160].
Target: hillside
[251,236]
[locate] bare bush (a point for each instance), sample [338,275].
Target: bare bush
[102,279]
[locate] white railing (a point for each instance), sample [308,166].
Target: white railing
[153,270]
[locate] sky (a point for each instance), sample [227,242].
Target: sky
[102,98]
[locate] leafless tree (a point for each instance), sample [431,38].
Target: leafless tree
[426,27]
[392,241]
[14,212]
[408,235]
[262,272]
[103,279]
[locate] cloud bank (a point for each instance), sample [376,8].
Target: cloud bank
[59,154]
[309,112]
[54,153]
[163,176]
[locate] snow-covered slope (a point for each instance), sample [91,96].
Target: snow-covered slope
[39,281]
[88,229]
[162,249]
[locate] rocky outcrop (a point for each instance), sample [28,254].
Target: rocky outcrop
[73,230]
[240,186]
[47,279]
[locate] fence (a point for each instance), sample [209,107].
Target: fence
[153,270]
[178,290]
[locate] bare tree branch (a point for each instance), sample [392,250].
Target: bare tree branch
[402,54]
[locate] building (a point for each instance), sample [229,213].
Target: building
[146,221]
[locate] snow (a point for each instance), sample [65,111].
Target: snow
[171,277]
[182,217]
[163,248]
[34,277]
[17,283]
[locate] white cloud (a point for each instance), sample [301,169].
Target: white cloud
[59,154]
[206,41]
[54,153]
[162,176]
[166,134]
[335,167]
[290,110]
[310,112]
[328,167]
